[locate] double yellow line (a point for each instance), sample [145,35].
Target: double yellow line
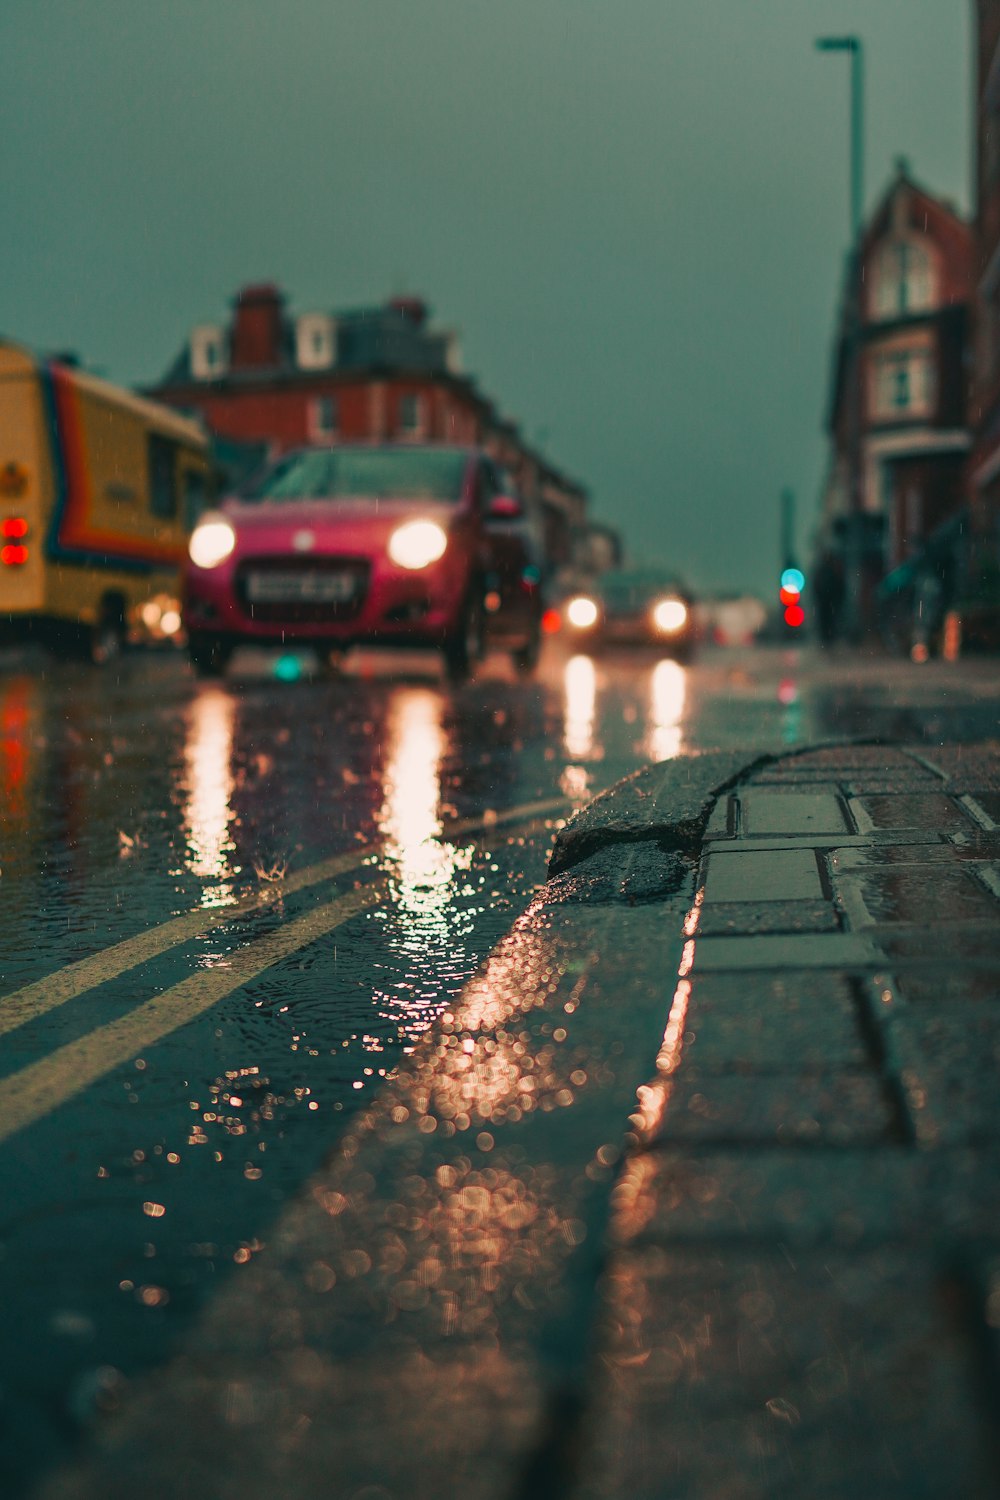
[31,1093]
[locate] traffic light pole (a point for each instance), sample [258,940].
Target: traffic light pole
[788,529]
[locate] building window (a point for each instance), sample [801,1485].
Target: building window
[411,415]
[195,496]
[323,417]
[162,477]
[904,384]
[904,280]
[208,352]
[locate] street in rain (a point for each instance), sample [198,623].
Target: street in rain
[500,751]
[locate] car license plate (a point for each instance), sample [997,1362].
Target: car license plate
[275,587]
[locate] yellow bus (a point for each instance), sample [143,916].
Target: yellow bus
[99,489]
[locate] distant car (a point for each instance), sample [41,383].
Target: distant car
[394,545]
[637,608]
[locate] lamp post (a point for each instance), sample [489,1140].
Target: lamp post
[852,45]
[854,539]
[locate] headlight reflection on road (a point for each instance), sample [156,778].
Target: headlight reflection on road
[208,810]
[668,694]
[421,866]
[580,694]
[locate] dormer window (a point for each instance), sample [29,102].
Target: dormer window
[904,279]
[315,341]
[208,352]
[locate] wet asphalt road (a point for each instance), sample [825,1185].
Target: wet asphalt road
[306,871]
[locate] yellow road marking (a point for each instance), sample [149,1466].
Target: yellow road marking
[42,995]
[33,1092]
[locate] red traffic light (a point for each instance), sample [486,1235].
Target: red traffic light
[795,616]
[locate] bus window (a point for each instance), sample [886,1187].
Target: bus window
[195,494]
[162,477]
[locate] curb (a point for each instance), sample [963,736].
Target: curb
[668,804]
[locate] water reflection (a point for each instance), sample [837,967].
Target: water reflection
[791,711]
[580,692]
[422,867]
[208,810]
[17,711]
[668,694]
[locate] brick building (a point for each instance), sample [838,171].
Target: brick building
[375,374]
[913,291]
[981,616]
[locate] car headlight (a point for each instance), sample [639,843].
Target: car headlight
[670,615]
[416,544]
[211,542]
[582,612]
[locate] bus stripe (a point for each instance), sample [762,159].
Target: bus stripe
[71,538]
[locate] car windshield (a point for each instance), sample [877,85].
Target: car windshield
[366,473]
[633,590]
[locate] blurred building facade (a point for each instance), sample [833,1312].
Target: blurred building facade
[374,374]
[981,615]
[910,289]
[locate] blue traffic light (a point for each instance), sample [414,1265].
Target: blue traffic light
[794,580]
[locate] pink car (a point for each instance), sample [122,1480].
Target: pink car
[422,546]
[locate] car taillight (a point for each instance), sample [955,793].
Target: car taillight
[13,554]
[13,528]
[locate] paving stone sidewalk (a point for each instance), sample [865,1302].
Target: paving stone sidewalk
[779,1275]
[804,1297]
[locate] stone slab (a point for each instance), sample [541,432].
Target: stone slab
[931,811]
[750,1023]
[741,874]
[674,1196]
[914,895]
[846,1197]
[802,813]
[772,1377]
[840,951]
[769,1109]
[730,918]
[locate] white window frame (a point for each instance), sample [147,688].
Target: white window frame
[905,279]
[209,358]
[907,371]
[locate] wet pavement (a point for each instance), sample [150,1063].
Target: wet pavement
[778,1276]
[250,925]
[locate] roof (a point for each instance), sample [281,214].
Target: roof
[165,419]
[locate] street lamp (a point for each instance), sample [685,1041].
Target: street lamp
[853,46]
[854,539]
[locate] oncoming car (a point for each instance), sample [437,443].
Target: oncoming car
[636,608]
[392,545]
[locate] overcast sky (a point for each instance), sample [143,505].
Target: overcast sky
[633,211]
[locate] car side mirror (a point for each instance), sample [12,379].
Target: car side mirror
[504,508]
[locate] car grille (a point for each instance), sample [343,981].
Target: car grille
[302,590]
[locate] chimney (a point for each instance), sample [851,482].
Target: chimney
[258,331]
[413,309]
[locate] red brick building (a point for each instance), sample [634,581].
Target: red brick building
[377,374]
[914,291]
[982,583]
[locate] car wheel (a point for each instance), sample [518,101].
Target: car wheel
[105,641]
[464,647]
[525,658]
[209,655]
